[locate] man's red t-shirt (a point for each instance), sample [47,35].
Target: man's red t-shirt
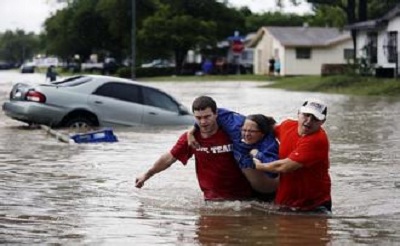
[218,174]
[310,186]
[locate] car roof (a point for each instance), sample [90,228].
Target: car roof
[105,77]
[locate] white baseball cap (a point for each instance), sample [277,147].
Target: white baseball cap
[315,107]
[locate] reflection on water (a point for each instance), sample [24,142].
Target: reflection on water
[55,193]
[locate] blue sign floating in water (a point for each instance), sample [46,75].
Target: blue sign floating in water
[104,135]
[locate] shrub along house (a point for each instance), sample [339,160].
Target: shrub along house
[377,43]
[300,50]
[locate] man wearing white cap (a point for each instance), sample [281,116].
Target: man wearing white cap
[303,164]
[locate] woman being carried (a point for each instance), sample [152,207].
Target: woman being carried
[254,134]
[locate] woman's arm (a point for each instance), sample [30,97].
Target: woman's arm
[267,150]
[231,122]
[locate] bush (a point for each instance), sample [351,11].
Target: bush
[187,69]
[335,69]
[381,72]
[124,72]
[142,72]
[190,68]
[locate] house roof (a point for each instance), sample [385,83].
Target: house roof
[376,23]
[392,13]
[303,36]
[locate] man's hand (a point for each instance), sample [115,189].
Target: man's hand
[163,162]
[257,163]
[140,181]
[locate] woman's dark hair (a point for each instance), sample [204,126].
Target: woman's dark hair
[265,123]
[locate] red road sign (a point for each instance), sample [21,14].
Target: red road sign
[237,46]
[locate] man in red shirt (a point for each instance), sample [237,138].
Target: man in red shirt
[219,177]
[303,164]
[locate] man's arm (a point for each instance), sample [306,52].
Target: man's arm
[164,162]
[279,166]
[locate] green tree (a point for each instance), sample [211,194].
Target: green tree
[18,46]
[377,8]
[328,16]
[354,10]
[94,26]
[57,38]
[167,33]
[227,20]
[255,21]
[77,29]
[118,15]
[182,25]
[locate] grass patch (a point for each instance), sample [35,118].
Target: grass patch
[343,84]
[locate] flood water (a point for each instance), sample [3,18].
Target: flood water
[70,194]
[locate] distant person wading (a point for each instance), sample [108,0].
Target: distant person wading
[51,74]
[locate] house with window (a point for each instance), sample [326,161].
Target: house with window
[377,42]
[300,50]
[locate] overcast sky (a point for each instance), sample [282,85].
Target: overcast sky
[29,15]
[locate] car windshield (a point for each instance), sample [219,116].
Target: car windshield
[73,81]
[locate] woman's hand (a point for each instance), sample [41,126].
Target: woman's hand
[192,142]
[253,152]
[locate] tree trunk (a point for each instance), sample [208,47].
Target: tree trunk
[351,18]
[362,10]
[180,56]
[351,11]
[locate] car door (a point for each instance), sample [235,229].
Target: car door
[162,109]
[118,103]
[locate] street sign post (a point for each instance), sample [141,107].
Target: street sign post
[237,47]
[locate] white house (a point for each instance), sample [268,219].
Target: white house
[300,50]
[377,41]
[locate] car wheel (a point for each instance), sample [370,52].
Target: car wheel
[80,124]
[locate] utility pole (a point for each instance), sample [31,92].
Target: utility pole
[396,72]
[133,40]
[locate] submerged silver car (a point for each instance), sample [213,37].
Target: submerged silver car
[94,100]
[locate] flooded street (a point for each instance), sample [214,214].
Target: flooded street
[70,194]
